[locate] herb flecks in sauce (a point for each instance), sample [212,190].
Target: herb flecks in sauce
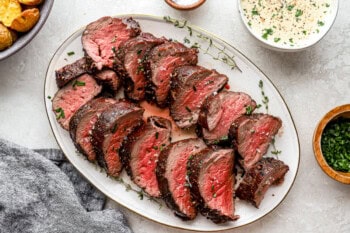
[289,20]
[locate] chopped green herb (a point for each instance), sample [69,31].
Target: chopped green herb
[71,53]
[139,51]
[78,83]
[157,135]
[290,7]
[277,39]
[254,11]
[186,40]
[49,97]
[224,138]
[188,109]
[248,110]
[327,5]
[320,23]
[114,50]
[114,39]
[140,194]
[298,13]
[335,144]
[60,113]
[304,32]
[267,32]
[291,40]
[155,147]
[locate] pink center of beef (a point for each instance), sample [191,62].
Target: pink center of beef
[162,76]
[144,164]
[217,180]
[101,44]
[112,143]
[176,175]
[231,109]
[134,66]
[72,98]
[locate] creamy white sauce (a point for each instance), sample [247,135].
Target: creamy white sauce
[185,2]
[286,22]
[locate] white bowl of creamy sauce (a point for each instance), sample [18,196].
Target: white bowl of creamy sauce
[288,25]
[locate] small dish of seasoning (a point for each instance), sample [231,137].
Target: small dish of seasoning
[184,4]
[331,143]
[288,25]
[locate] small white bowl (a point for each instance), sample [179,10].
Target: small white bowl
[302,45]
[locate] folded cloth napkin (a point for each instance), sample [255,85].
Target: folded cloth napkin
[36,196]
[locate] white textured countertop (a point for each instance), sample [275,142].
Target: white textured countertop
[311,82]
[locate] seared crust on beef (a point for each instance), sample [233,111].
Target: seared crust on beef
[101,39]
[133,55]
[252,135]
[109,79]
[69,72]
[162,61]
[72,96]
[80,126]
[191,86]
[257,180]
[217,203]
[140,152]
[111,128]
[177,153]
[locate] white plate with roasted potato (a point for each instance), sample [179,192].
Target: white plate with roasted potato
[20,21]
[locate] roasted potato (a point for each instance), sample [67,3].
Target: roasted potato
[9,10]
[7,37]
[26,20]
[31,2]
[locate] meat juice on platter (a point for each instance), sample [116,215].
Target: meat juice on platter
[178,132]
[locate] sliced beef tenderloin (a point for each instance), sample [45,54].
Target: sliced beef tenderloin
[220,111]
[72,96]
[252,136]
[212,183]
[141,150]
[69,72]
[133,55]
[112,127]
[101,39]
[257,180]
[173,178]
[82,122]
[162,61]
[192,85]
[110,79]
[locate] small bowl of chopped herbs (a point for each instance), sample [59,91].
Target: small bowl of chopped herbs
[288,26]
[331,143]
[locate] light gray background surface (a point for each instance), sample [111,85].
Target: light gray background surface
[311,82]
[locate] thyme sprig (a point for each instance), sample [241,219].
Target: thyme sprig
[141,194]
[265,98]
[215,51]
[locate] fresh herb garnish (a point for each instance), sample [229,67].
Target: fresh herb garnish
[290,7]
[60,113]
[276,39]
[267,32]
[78,83]
[71,53]
[265,99]
[49,97]
[248,110]
[139,51]
[186,40]
[255,11]
[335,144]
[298,13]
[157,135]
[320,23]
[188,109]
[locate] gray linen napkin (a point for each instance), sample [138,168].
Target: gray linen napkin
[36,196]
